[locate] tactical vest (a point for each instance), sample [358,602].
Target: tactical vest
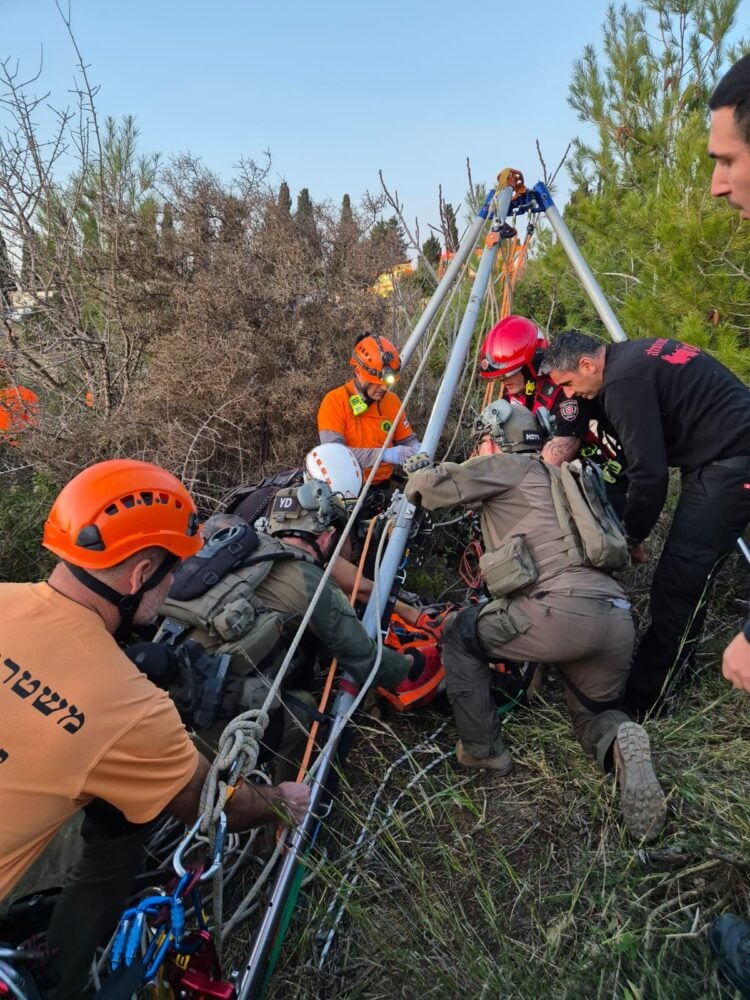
[548,538]
[587,516]
[226,616]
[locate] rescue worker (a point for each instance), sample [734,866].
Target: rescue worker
[511,353]
[279,574]
[671,406]
[729,139]
[82,727]
[335,465]
[546,606]
[729,147]
[361,412]
[19,407]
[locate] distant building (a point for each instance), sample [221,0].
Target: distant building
[387,281]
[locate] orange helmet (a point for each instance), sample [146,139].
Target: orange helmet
[376,359]
[114,509]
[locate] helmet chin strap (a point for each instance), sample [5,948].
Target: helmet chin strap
[126,604]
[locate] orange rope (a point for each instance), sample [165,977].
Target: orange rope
[334,663]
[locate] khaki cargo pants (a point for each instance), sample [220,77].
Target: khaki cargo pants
[589,638]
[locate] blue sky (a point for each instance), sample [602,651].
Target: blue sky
[335,90]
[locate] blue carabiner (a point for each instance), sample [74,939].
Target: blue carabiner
[219,837]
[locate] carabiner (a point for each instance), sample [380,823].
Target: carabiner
[219,837]
[189,836]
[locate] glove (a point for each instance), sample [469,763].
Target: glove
[397,455]
[420,460]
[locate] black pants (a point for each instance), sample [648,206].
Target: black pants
[95,894]
[712,512]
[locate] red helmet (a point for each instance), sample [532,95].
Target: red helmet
[511,346]
[114,509]
[377,360]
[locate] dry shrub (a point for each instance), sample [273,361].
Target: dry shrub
[257,315]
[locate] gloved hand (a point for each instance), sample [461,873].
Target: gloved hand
[398,454]
[420,460]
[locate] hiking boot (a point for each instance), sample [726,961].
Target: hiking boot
[501,764]
[729,940]
[642,800]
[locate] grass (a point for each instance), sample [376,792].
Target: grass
[528,886]
[479,887]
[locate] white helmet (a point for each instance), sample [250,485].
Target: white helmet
[335,465]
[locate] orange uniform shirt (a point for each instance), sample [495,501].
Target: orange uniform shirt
[79,721]
[366,430]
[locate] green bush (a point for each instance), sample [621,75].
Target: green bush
[24,504]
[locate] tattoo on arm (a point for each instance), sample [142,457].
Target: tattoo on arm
[560,449]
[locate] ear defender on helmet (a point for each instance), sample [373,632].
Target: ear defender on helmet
[514,428]
[309,509]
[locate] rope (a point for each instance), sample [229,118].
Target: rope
[246,730]
[323,703]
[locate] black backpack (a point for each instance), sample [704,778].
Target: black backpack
[253,501]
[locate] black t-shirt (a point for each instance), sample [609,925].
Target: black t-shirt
[581,418]
[670,405]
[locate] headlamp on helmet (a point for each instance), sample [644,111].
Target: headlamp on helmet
[376,359]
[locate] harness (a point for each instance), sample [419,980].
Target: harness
[213,602]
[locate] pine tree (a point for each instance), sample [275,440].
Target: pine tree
[284,199]
[346,219]
[304,213]
[431,249]
[304,221]
[451,229]
[388,243]
[665,253]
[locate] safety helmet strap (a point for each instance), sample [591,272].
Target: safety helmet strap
[126,604]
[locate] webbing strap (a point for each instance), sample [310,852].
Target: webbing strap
[126,604]
[597,707]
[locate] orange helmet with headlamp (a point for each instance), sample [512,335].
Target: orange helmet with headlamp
[376,359]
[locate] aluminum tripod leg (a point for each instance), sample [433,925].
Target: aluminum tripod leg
[587,279]
[255,967]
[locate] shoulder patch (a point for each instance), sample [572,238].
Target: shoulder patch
[569,409]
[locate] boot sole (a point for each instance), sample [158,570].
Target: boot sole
[643,804]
